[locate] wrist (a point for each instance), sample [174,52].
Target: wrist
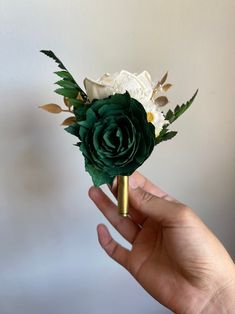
[222,301]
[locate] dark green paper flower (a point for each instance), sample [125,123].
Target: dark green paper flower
[115,136]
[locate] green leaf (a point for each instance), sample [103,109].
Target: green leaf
[169,135]
[99,177]
[165,136]
[169,115]
[67,79]
[80,112]
[66,84]
[67,92]
[64,74]
[73,129]
[76,103]
[51,54]
[179,110]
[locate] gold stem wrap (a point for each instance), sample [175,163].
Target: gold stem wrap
[123,195]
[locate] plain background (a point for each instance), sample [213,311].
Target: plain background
[50,260]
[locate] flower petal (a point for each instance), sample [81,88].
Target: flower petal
[96,90]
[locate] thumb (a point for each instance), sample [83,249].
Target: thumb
[161,210]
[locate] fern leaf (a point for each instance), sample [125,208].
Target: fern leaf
[67,81]
[51,54]
[179,110]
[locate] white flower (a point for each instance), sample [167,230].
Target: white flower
[138,86]
[155,116]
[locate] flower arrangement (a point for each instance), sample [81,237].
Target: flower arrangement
[118,120]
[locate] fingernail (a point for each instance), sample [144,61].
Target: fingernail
[93,190]
[133,183]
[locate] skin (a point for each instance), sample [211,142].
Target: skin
[174,256]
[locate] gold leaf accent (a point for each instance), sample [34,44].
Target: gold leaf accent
[68,121]
[163,80]
[52,108]
[166,87]
[67,102]
[161,101]
[158,87]
[154,94]
[79,97]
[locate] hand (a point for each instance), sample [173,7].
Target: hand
[174,256]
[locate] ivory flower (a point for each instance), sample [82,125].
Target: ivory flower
[138,86]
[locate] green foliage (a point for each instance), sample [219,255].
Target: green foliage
[66,84]
[73,129]
[64,74]
[165,135]
[171,116]
[69,87]
[76,103]
[51,54]
[98,176]
[67,92]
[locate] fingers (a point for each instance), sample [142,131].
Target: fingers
[138,180]
[160,209]
[125,226]
[140,208]
[111,247]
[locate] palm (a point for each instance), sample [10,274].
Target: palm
[153,260]
[170,262]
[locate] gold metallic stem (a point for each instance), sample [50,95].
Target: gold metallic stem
[123,195]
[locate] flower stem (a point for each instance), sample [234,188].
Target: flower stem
[66,110]
[123,195]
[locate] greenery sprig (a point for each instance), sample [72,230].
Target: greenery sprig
[171,116]
[68,86]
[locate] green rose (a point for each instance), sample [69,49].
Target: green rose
[115,136]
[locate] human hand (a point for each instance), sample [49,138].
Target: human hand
[174,256]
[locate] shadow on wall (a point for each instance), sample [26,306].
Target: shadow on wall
[31,179]
[27,154]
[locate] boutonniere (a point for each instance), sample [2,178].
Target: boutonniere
[118,120]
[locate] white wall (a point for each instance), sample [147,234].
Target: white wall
[50,261]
